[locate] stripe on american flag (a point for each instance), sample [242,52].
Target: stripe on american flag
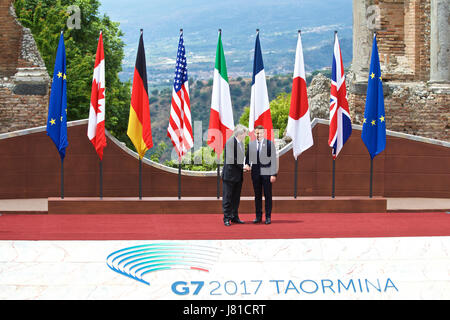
[180,128]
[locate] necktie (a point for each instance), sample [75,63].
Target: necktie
[257,152]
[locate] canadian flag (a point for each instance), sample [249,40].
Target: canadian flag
[96,125]
[299,122]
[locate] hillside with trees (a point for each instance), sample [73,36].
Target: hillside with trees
[47,18]
[279,88]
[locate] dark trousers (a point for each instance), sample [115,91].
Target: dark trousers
[231,199]
[260,184]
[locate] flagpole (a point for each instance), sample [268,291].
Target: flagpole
[140,178]
[218,180]
[140,159]
[179,178]
[179,159]
[62,159]
[101,178]
[62,178]
[371,158]
[333,180]
[371,177]
[218,159]
[334,159]
[296,160]
[295,178]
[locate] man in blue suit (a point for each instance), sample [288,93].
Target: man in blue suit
[261,159]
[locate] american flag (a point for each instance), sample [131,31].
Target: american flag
[340,121]
[180,128]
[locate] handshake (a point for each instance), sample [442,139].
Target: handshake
[248,168]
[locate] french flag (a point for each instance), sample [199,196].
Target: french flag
[259,99]
[299,123]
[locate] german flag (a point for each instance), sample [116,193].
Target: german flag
[139,128]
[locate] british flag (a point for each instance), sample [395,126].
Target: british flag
[180,128]
[340,121]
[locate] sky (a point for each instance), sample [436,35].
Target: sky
[278,22]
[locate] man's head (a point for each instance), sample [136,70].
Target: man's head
[240,132]
[259,132]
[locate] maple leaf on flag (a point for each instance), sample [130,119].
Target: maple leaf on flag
[96,124]
[100,95]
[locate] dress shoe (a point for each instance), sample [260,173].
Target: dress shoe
[237,220]
[257,220]
[227,223]
[268,221]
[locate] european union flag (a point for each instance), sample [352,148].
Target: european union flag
[374,125]
[57,108]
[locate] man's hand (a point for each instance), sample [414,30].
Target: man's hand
[247,168]
[273,179]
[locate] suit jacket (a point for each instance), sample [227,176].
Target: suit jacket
[265,161]
[234,156]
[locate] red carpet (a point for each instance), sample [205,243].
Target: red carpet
[210,226]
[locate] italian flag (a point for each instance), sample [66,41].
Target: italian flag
[221,123]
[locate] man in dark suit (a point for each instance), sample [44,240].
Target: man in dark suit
[261,158]
[232,175]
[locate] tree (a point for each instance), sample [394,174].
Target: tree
[203,159]
[160,149]
[279,110]
[46,19]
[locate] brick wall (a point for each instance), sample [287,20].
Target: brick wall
[10,40]
[404,39]
[412,105]
[411,30]
[391,35]
[24,82]
[21,111]
[413,108]
[423,35]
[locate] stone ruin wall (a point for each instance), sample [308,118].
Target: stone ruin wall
[24,81]
[414,48]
